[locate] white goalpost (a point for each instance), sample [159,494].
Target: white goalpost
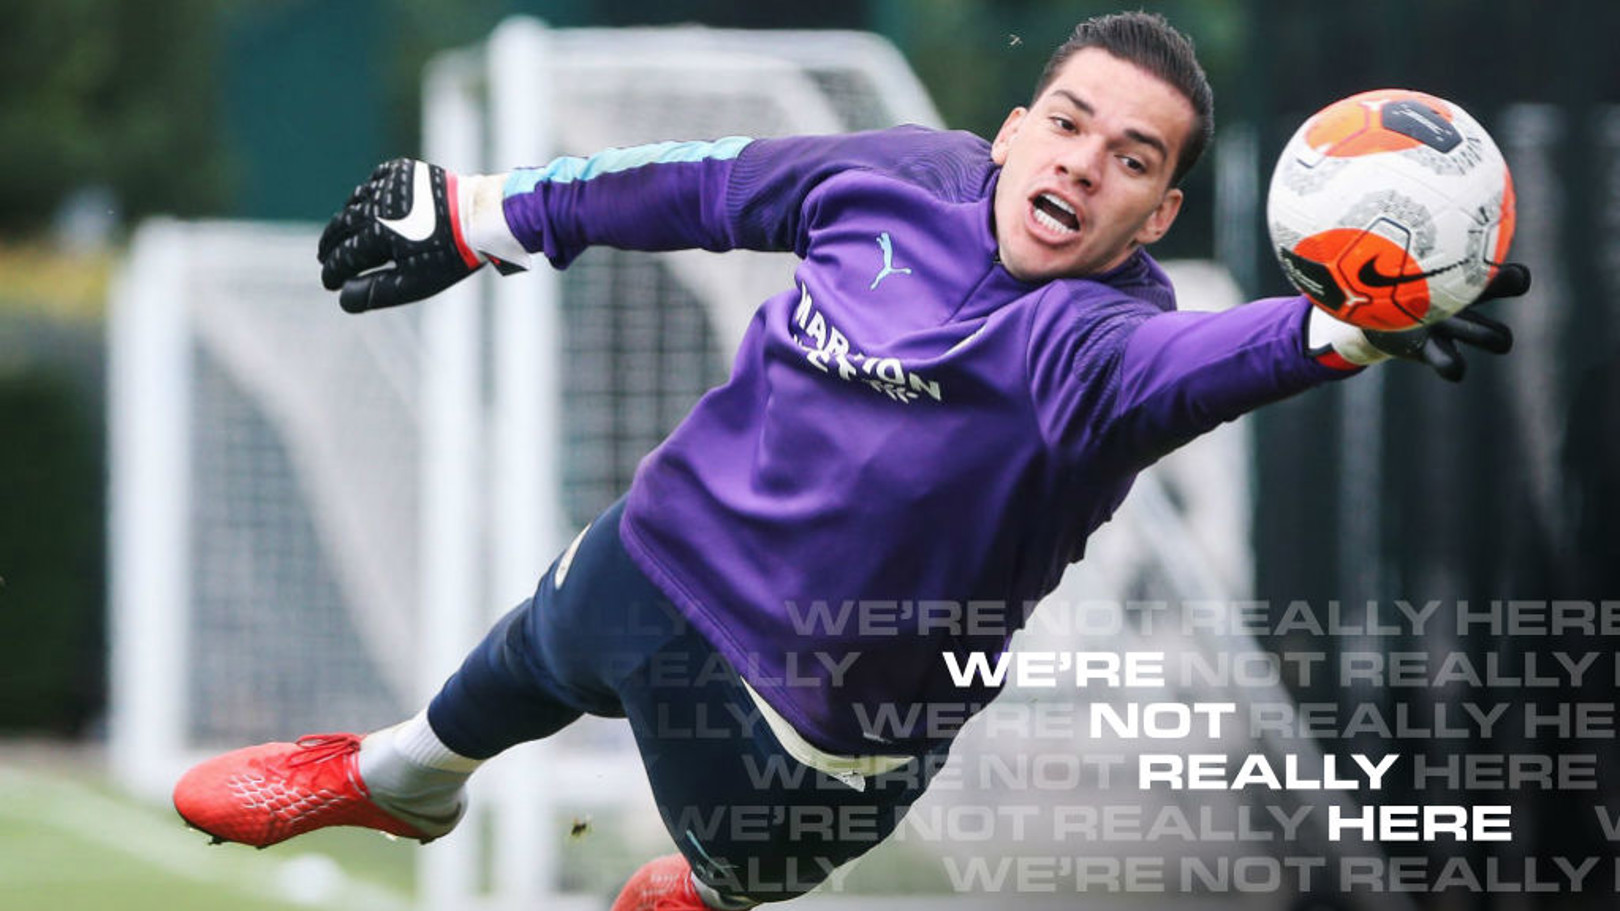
[591,368]
[314,515]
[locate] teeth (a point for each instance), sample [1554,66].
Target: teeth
[1052,222]
[1048,221]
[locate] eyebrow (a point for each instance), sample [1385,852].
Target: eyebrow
[1132,133]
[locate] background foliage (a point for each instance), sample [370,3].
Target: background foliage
[112,111]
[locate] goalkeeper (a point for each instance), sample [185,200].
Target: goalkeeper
[976,357]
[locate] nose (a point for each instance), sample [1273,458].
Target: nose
[1081,161]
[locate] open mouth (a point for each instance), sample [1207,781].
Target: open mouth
[1055,214]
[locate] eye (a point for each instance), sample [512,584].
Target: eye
[1134,165]
[1062,123]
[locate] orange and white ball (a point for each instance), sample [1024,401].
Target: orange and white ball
[1391,209]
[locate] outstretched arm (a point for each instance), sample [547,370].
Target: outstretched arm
[668,196]
[414,229]
[1181,373]
[1184,372]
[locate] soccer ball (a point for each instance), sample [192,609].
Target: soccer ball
[1391,209]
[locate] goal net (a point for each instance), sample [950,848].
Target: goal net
[315,514]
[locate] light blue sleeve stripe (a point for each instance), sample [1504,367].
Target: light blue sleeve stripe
[610,161]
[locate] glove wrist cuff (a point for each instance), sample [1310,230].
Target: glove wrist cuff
[1325,334]
[483,221]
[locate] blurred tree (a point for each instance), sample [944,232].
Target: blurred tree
[52,468]
[302,106]
[104,93]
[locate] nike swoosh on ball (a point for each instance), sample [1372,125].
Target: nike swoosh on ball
[1373,278]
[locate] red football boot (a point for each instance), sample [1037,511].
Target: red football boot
[664,884]
[269,793]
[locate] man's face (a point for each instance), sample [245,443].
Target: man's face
[1086,170]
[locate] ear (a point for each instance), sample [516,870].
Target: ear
[1004,136]
[1160,219]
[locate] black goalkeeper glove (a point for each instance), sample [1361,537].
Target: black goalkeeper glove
[403,236]
[1434,345]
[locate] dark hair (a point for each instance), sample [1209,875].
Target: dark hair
[1152,43]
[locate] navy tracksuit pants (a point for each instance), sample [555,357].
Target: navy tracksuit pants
[598,638]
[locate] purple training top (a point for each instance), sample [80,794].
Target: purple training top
[913,444]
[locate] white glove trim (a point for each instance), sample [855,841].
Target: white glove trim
[483,219]
[1323,332]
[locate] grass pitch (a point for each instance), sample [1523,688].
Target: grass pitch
[68,842]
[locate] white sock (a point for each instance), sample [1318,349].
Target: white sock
[408,769]
[416,742]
